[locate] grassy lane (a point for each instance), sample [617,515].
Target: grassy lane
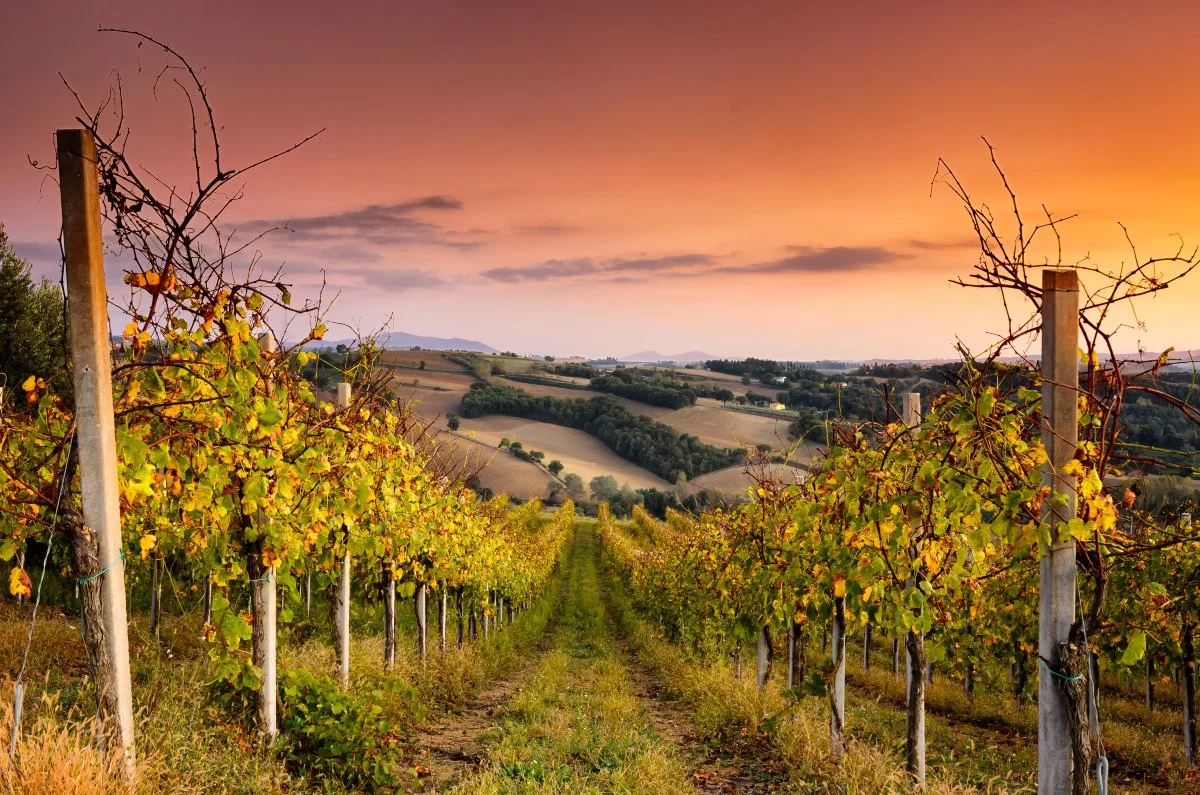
[577,726]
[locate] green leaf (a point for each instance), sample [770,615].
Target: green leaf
[270,415]
[1136,649]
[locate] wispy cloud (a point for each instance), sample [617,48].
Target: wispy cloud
[38,252]
[588,267]
[386,225]
[548,229]
[389,278]
[943,245]
[811,259]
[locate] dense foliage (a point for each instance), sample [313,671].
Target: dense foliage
[32,328]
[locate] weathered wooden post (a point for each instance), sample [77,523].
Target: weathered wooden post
[264,609]
[458,604]
[389,616]
[342,589]
[1149,681]
[442,604]
[308,594]
[487,601]
[155,597]
[791,644]
[1056,596]
[837,723]
[98,538]
[764,656]
[1189,693]
[914,649]
[866,660]
[422,619]
[208,595]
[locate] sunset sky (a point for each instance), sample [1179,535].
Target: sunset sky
[599,178]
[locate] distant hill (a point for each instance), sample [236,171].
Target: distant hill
[402,340]
[655,356]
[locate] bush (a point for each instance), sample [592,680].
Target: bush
[329,734]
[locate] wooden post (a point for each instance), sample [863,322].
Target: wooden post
[764,656]
[471,625]
[1149,682]
[458,604]
[866,661]
[791,644]
[155,597]
[837,722]
[389,617]
[308,594]
[915,665]
[1189,695]
[98,538]
[914,644]
[1056,594]
[341,403]
[895,658]
[264,611]
[208,594]
[442,645]
[487,600]
[422,619]
[20,558]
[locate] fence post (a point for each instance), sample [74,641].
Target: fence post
[838,646]
[915,667]
[389,616]
[263,606]
[442,609]
[422,619]
[154,594]
[91,366]
[341,403]
[458,603]
[764,656]
[1056,587]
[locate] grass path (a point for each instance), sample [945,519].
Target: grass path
[577,724]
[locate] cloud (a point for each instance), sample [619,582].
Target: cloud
[943,245]
[586,266]
[389,278]
[400,280]
[548,229]
[810,259]
[388,225]
[38,252]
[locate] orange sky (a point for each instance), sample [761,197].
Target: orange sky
[741,178]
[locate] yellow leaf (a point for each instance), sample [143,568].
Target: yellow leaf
[19,584]
[29,384]
[839,586]
[147,543]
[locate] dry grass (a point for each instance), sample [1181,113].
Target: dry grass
[581,453]
[735,480]
[725,705]
[56,754]
[725,428]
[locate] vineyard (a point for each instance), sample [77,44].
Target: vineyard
[206,543]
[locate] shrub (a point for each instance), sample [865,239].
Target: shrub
[329,734]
